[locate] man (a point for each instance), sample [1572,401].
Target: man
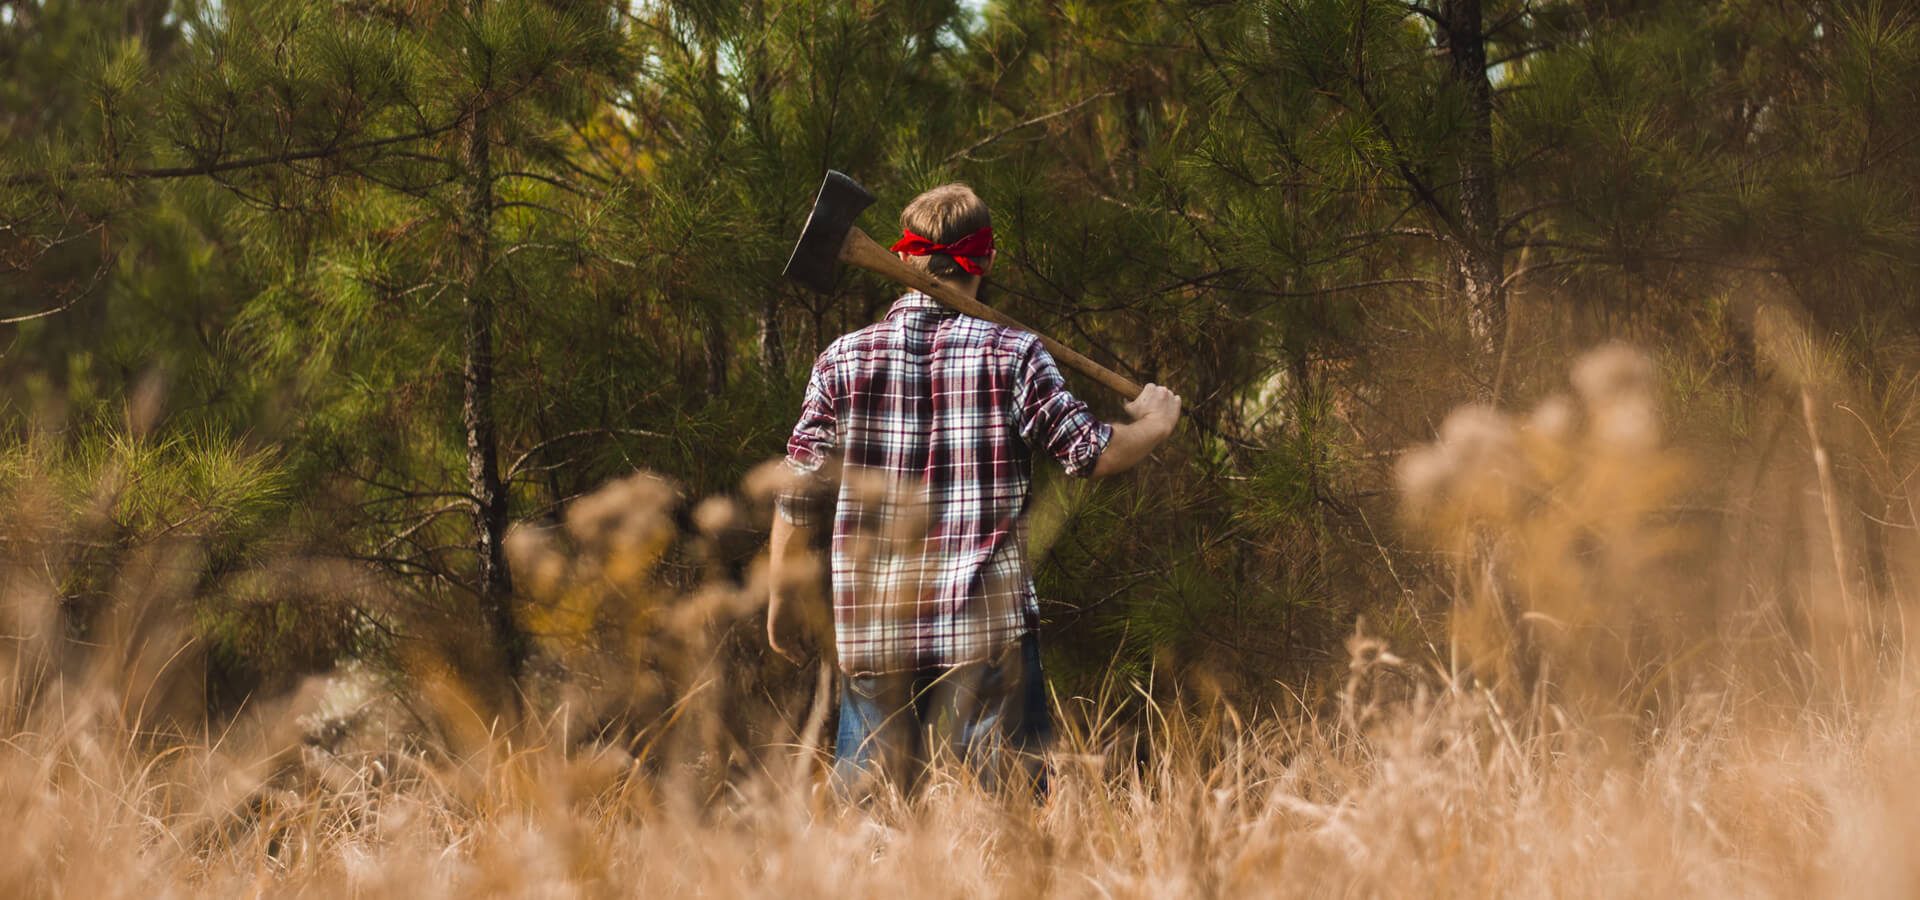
[932,419]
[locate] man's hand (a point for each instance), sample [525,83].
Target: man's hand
[1155,412]
[785,548]
[780,630]
[1156,406]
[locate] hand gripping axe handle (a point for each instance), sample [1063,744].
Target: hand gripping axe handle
[830,238]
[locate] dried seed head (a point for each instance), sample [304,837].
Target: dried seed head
[1616,382]
[1553,419]
[535,557]
[715,515]
[1610,372]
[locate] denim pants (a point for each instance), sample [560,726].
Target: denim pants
[990,716]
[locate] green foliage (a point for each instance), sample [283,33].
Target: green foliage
[269,206]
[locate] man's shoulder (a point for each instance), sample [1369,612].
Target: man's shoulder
[963,331]
[874,345]
[856,340]
[1005,339]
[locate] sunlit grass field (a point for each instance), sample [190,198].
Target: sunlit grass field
[1590,720]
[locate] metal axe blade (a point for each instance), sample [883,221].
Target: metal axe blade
[816,256]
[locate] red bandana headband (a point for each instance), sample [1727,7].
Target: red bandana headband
[964,251]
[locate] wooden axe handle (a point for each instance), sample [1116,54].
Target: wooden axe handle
[865,252]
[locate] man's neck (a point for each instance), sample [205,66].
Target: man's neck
[969,287]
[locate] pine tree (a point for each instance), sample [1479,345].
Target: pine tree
[380,150]
[413,271]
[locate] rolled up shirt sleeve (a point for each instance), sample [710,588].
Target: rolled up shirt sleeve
[1051,419]
[814,439]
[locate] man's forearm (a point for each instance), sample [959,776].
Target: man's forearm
[781,547]
[1154,413]
[778,546]
[1131,442]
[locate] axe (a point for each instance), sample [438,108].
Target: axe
[831,238]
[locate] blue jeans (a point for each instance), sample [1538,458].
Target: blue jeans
[990,716]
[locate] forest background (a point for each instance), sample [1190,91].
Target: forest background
[351,290]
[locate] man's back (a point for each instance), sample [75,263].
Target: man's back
[934,418]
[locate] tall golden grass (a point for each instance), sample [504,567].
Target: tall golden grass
[1628,700]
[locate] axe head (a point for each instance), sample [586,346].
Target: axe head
[816,256]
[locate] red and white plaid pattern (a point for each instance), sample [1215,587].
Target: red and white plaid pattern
[933,418]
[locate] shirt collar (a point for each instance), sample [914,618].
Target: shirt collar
[914,301]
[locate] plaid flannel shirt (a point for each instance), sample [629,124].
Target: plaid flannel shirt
[932,418]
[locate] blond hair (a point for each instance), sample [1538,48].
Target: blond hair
[943,215]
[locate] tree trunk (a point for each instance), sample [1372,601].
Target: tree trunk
[494,581]
[773,350]
[1478,258]
[713,333]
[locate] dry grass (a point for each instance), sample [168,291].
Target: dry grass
[1597,724]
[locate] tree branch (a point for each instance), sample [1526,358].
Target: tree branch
[23,179]
[967,153]
[521,460]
